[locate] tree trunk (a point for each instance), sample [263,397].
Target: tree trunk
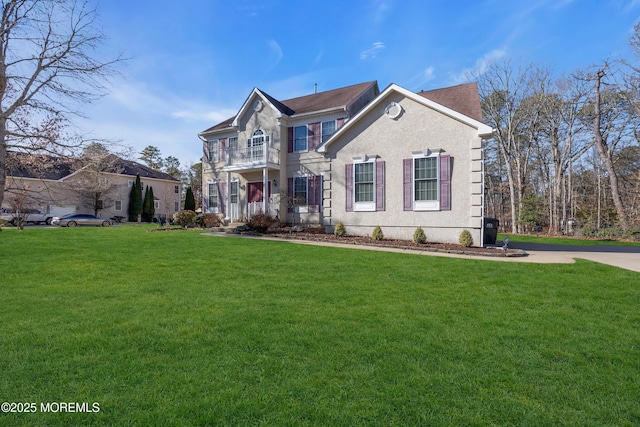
[3,157]
[605,155]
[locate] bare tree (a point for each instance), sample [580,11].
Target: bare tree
[47,70]
[609,130]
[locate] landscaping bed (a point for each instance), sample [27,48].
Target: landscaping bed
[319,235]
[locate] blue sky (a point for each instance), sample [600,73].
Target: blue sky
[193,62]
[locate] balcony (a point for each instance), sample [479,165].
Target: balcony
[256,157]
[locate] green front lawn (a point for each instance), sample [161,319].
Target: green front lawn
[176,328]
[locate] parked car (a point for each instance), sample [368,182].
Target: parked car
[33,216]
[80,219]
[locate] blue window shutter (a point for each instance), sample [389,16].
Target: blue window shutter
[407,184]
[290,139]
[339,123]
[445,183]
[348,186]
[380,186]
[205,147]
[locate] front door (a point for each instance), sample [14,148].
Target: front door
[255,197]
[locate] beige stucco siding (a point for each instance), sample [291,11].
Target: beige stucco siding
[392,140]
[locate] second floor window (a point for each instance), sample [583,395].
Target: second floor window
[213,150]
[300,138]
[328,128]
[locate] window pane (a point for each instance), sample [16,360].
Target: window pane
[300,189]
[213,196]
[327,129]
[426,179]
[234,192]
[363,182]
[300,138]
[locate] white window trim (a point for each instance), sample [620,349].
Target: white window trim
[237,185]
[306,138]
[209,207]
[335,128]
[156,204]
[302,208]
[425,205]
[213,153]
[364,206]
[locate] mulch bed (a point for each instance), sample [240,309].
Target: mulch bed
[319,235]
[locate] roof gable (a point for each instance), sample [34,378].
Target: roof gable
[483,130]
[339,98]
[463,98]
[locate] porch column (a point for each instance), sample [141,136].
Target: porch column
[228,197]
[265,189]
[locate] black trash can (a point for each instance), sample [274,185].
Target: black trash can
[490,226]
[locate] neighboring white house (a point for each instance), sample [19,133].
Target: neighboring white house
[394,158]
[54,186]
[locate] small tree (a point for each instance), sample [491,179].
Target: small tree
[419,236]
[377,233]
[135,201]
[185,218]
[465,239]
[189,200]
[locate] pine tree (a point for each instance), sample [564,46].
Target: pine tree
[135,201]
[189,200]
[145,207]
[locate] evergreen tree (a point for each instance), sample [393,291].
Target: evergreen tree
[189,200]
[135,201]
[147,205]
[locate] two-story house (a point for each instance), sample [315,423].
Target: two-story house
[394,158]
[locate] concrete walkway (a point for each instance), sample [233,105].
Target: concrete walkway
[626,257]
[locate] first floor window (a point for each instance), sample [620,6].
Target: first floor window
[363,180]
[300,190]
[365,185]
[213,196]
[176,206]
[156,204]
[425,179]
[99,204]
[427,182]
[118,205]
[233,192]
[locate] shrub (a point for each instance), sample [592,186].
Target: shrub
[208,220]
[340,230]
[377,233]
[184,218]
[419,236]
[262,222]
[465,239]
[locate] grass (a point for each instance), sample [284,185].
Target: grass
[176,328]
[571,241]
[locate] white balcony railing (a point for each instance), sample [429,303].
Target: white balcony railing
[252,156]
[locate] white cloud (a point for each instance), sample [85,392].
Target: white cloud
[276,50]
[429,74]
[376,48]
[480,67]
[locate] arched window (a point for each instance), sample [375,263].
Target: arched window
[256,144]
